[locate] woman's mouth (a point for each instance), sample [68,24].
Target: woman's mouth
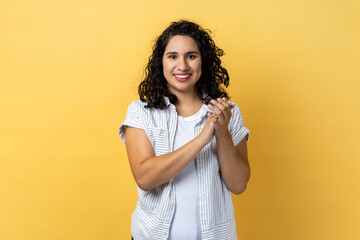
[182,77]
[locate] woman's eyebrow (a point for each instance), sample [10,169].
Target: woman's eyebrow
[190,52]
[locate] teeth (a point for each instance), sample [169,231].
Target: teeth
[182,76]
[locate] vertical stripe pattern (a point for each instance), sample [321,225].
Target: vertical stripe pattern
[155,208]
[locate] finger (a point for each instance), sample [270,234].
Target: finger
[223,101]
[218,119]
[218,115]
[231,106]
[227,109]
[211,117]
[227,105]
[218,104]
[214,117]
[214,109]
[222,111]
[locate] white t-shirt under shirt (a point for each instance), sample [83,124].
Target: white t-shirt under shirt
[186,221]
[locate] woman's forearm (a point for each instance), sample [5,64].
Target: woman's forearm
[150,171]
[157,170]
[234,165]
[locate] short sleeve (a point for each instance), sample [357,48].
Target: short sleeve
[236,126]
[132,119]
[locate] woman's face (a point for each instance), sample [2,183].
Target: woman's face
[181,64]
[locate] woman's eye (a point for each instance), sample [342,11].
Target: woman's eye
[174,57]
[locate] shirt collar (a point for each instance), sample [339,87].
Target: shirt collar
[167,101]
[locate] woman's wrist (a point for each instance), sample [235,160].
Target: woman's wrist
[221,133]
[202,140]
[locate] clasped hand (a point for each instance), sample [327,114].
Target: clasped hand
[221,116]
[217,122]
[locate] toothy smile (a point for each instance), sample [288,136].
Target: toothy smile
[182,76]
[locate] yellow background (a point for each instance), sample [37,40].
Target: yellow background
[70,68]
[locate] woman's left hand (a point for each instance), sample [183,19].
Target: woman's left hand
[221,116]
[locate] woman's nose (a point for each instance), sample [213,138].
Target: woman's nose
[183,65]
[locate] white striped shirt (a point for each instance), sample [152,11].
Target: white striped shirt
[154,210]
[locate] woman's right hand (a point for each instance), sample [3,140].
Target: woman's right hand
[207,133]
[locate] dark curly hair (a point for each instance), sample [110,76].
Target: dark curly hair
[154,86]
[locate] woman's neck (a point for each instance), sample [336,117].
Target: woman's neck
[187,104]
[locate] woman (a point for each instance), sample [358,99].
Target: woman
[185,142]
